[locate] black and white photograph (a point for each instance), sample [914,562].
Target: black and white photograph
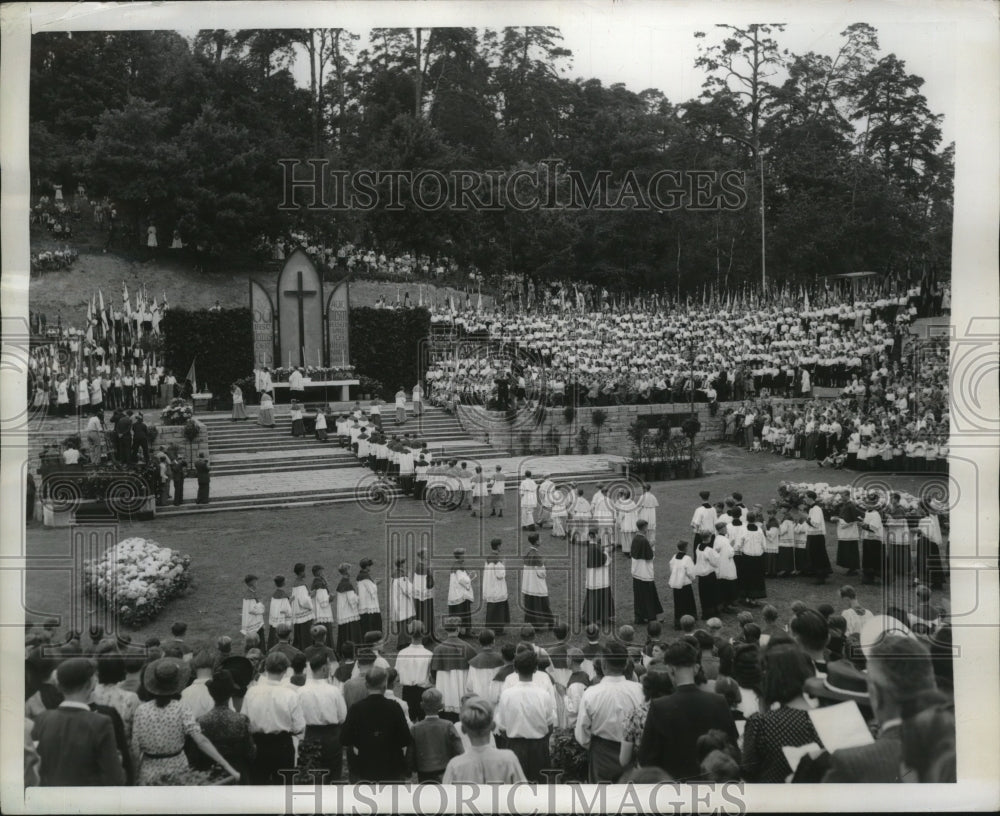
[459,407]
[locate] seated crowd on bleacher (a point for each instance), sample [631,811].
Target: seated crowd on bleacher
[618,356]
[895,417]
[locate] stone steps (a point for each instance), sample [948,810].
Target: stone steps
[265,501]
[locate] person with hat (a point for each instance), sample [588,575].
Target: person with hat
[401,606]
[900,678]
[423,592]
[676,720]
[226,729]
[348,614]
[161,725]
[275,715]
[483,763]
[368,604]
[243,671]
[602,713]
[460,594]
[76,746]
[495,590]
[785,672]
[843,682]
[534,587]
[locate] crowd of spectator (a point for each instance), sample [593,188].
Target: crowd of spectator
[894,417]
[704,706]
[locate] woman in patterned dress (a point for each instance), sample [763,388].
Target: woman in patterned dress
[227,730]
[785,671]
[655,683]
[161,725]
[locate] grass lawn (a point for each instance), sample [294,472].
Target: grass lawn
[225,546]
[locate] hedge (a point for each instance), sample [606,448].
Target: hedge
[385,346]
[221,343]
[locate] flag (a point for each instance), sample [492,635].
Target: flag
[805,305]
[479,302]
[193,377]
[421,288]
[125,301]
[104,313]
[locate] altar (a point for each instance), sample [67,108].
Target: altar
[312,388]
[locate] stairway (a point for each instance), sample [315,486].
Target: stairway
[255,467]
[246,447]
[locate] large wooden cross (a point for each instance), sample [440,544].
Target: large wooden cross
[301,294]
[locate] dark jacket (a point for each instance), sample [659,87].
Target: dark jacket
[674,724]
[202,470]
[77,748]
[377,727]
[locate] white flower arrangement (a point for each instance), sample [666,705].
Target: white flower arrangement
[137,578]
[832,497]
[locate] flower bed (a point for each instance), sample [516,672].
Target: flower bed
[831,498]
[137,578]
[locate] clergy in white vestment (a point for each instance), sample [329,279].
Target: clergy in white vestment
[528,494]
[647,511]
[450,668]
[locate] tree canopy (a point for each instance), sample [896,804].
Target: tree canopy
[189,131]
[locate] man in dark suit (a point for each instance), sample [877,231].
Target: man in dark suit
[204,473]
[900,673]
[140,439]
[376,735]
[76,745]
[676,721]
[123,437]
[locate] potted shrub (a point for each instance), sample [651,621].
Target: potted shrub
[583,441]
[569,413]
[552,439]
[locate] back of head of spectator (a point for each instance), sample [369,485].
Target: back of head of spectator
[770,614]
[785,671]
[486,638]
[719,766]
[900,674]
[626,634]
[810,630]
[751,633]
[614,659]
[178,629]
[507,652]
[431,701]
[276,664]
[526,663]
[928,741]
[476,718]
[730,690]
[687,623]
[377,679]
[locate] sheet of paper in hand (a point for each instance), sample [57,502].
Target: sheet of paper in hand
[840,726]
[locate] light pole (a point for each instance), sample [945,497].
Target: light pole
[763,243]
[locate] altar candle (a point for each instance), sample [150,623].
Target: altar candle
[289,358]
[319,363]
[341,358]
